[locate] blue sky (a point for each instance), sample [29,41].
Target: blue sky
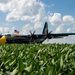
[65,7]
[26,15]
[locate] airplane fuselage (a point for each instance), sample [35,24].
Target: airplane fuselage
[26,39]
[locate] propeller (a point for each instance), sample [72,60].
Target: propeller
[50,31]
[32,36]
[32,33]
[48,35]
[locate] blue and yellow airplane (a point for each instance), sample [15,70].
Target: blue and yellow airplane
[32,38]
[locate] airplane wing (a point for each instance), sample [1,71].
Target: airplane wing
[59,35]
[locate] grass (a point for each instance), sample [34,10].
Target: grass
[37,59]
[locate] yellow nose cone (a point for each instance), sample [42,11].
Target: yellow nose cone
[3,40]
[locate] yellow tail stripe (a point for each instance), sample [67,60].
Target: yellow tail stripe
[3,40]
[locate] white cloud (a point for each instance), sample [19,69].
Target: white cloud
[1,29]
[26,29]
[11,31]
[34,12]
[13,17]
[26,10]
[59,29]
[55,19]
[26,18]
[9,6]
[23,10]
[4,29]
[38,25]
[68,20]
[69,30]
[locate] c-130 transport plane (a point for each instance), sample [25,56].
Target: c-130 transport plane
[32,38]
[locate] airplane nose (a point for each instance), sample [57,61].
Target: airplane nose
[3,40]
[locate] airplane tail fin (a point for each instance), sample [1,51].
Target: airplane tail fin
[45,30]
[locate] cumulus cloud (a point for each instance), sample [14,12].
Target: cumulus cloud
[7,30]
[55,19]
[38,25]
[69,30]
[59,29]
[58,19]
[26,10]
[1,29]
[8,6]
[61,21]
[34,12]
[23,9]
[68,20]
[4,29]
[26,29]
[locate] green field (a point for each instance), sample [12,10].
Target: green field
[37,59]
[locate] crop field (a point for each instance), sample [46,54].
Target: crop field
[37,59]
